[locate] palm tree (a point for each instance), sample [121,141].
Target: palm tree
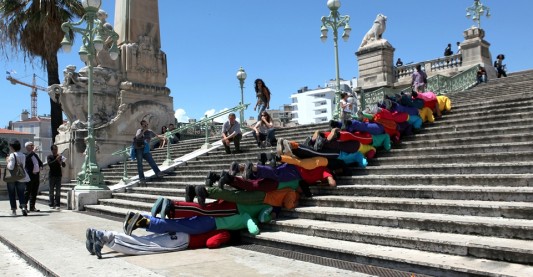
[34,28]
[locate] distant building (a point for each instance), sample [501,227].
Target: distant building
[40,128]
[281,117]
[311,106]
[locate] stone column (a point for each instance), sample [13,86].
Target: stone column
[376,64]
[475,51]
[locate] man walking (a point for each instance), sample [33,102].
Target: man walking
[55,162]
[33,167]
[142,150]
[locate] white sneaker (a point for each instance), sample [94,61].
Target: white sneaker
[57,208]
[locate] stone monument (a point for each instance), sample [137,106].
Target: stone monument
[375,57]
[475,51]
[125,91]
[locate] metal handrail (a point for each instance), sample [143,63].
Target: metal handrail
[439,84]
[126,151]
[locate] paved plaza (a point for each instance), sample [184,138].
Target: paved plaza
[54,241]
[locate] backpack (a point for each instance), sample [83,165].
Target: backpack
[138,143]
[17,173]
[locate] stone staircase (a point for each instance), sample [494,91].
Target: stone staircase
[454,200]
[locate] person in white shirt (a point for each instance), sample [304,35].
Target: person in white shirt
[17,188]
[33,167]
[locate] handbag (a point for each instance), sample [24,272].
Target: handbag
[17,173]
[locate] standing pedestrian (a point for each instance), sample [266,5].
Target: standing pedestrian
[263,97]
[419,79]
[55,162]
[142,150]
[231,131]
[448,50]
[500,67]
[346,107]
[17,188]
[33,166]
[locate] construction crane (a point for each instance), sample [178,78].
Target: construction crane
[34,87]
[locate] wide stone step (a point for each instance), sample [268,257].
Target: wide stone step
[471,225]
[456,168]
[466,180]
[452,158]
[422,262]
[507,138]
[473,131]
[517,105]
[523,210]
[500,249]
[485,118]
[421,150]
[453,192]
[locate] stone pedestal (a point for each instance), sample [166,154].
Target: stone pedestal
[475,51]
[376,64]
[77,199]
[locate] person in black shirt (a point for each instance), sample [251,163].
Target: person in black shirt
[33,167]
[55,162]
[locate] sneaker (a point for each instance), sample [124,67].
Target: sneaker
[236,151]
[142,182]
[287,148]
[279,147]
[24,212]
[264,215]
[190,193]
[33,209]
[156,208]
[333,124]
[58,208]
[137,221]
[225,179]
[98,243]
[13,212]
[262,158]
[161,174]
[211,178]
[165,208]
[89,242]
[201,195]
[127,219]
[248,171]
[234,168]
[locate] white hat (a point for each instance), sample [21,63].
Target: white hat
[28,143]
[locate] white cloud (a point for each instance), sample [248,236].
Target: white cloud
[220,119]
[181,115]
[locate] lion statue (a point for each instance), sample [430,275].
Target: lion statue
[377,30]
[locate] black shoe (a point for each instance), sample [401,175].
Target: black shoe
[306,191]
[225,179]
[211,178]
[89,242]
[236,151]
[248,171]
[333,124]
[190,193]
[262,158]
[234,168]
[201,195]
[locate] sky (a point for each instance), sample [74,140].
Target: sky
[207,41]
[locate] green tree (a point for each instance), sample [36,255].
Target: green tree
[4,148]
[33,28]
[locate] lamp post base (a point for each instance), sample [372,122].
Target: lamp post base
[80,198]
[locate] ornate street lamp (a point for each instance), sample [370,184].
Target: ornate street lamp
[241,76]
[476,11]
[335,21]
[94,36]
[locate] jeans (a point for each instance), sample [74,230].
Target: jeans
[260,109]
[193,225]
[140,155]
[55,191]
[270,137]
[16,189]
